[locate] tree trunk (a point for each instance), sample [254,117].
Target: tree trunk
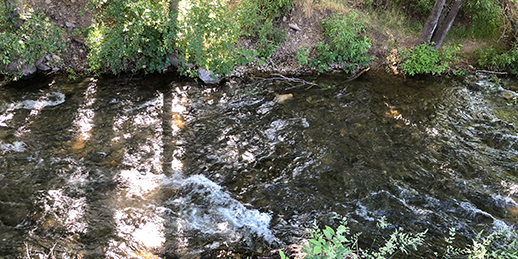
[445,12]
[438,38]
[505,7]
[431,23]
[13,8]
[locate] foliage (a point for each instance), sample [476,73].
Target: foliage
[207,36]
[331,243]
[342,45]
[477,18]
[499,244]
[134,34]
[35,38]
[485,17]
[139,34]
[340,243]
[424,59]
[246,56]
[303,56]
[257,18]
[499,59]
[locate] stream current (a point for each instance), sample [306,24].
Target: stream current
[157,167]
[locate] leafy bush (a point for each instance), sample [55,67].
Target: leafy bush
[138,34]
[257,18]
[339,243]
[424,59]
[207,36]
[499,244]
[132,35]
[303,56]
[499,59]
[485,17]
[342,45]
[35,38]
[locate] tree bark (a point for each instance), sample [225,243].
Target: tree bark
[439,37]
[445,12]
[13,8]
[505,7]
[431,23]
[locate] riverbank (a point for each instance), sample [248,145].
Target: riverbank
[388,32]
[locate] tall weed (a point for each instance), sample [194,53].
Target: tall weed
[344,43]
[257,19]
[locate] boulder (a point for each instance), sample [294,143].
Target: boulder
[174,60]
[208,77]
[40,65]
[475,86]
[28,71]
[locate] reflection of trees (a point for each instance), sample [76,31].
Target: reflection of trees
[23,165]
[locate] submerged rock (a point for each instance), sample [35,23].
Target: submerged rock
[508,95]
[40,64]
[283,98]
[475,86]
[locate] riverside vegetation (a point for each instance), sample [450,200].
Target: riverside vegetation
[341,243]
[149,36]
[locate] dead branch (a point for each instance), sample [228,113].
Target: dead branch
[358,75]
[491,72]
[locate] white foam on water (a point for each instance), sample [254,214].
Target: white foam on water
[205,207]
[16,146]
[48,100]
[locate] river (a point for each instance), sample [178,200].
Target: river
[162,167]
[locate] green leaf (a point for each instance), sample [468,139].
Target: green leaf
[317,250]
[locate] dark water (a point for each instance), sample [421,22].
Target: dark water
[157,167]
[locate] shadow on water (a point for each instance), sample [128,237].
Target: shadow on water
[149,168]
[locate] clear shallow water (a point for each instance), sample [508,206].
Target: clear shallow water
[151,167]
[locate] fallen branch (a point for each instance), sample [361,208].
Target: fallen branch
[303,82]
[358,75]
[491,72]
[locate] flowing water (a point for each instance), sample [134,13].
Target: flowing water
[157,167]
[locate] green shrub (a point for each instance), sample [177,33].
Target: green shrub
[331,243]
[303,56]
[500,244]
[499,59]
[342,44]
[424,59]
[485,18]
[138,34]
[207,36]
[131,35]
[476,18]
[35,38]
[340,243]
[257,19]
